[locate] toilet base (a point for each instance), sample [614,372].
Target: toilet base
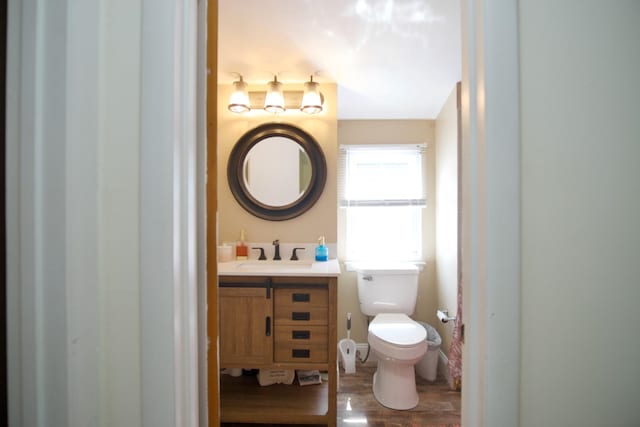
[394,385]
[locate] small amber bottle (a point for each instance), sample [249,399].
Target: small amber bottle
[242,251]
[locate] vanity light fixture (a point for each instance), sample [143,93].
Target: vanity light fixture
[312,99]
[239,102]
[274,101]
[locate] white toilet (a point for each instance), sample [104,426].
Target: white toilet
[389,292]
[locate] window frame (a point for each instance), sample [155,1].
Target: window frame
[377,246]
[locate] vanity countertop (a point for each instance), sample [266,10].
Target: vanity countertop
[329,268]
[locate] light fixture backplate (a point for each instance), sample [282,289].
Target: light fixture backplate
[292,99]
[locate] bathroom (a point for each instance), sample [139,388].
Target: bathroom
[438,274]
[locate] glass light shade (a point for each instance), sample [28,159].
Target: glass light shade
[239,101]
[311,100]
[274,101]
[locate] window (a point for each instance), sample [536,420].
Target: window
[382,189]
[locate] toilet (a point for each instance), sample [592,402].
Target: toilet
[389,293]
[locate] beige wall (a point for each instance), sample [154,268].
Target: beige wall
[446,134]
[580,208]
[386,132]
[324,217]
[321,218]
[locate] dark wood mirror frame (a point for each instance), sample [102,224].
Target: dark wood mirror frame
[236,166]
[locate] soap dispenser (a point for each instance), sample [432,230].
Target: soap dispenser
[242,252]
[322,252]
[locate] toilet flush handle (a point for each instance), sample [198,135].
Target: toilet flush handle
[367,277]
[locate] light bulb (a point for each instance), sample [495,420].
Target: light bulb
[274,101]
[311,100]
[239,101]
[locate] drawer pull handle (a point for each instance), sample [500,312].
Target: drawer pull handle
[300,315]
[300,335]
[302,354]
[300,297]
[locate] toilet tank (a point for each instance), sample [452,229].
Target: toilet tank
[387,288]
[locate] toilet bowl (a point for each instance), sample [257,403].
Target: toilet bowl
[398,343]
[389,293]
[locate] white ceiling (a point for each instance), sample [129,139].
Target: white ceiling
[391,59]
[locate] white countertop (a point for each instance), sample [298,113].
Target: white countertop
[329,268]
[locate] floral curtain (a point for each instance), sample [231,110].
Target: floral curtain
[455,351]
[457,340]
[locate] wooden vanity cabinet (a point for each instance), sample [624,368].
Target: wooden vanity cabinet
[278,323]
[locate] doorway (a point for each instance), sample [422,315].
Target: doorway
[490,248]
[479,45]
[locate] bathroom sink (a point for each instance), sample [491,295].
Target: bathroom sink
[279,268]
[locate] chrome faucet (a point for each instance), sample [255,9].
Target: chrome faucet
[276,256]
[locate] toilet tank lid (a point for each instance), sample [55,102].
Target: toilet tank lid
[386,267]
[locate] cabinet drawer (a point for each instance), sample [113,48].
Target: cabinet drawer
[301,306]
[301,344]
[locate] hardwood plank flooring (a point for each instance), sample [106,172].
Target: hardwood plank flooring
[439,406]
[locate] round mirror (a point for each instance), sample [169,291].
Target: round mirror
[276,171]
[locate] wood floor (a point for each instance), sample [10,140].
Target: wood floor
[439,406]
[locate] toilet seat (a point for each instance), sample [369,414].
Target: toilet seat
[396,336]
[397,329]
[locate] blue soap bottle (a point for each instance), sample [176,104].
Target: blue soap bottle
[322,252]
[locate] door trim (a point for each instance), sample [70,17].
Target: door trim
[491,213]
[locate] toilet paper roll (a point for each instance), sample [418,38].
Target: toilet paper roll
[225,253]
[443,316]
[234,372]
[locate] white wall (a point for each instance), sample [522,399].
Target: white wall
[53,278]
[580,62]
[446,208]
[118,192]
[84,310]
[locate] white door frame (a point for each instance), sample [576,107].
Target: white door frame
[490,213]
[169,214]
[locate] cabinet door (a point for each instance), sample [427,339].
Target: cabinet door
[246,327]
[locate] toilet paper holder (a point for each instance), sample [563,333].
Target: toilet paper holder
[443,316]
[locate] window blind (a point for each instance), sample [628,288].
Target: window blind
[382,175]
